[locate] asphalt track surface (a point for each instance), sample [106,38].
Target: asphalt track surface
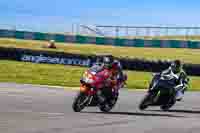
[34,109]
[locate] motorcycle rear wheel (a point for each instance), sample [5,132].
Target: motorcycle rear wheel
[103,108]
[168,106]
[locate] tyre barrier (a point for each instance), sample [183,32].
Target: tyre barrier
[52,57]
[49,57]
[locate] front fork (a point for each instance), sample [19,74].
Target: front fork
[89,92]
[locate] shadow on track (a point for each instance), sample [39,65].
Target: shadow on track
[134,114]
[179,111]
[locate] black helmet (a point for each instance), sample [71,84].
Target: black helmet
[108,60]
[176,66]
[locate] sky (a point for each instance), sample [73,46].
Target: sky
[58,15]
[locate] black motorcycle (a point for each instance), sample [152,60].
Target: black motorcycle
[161,91]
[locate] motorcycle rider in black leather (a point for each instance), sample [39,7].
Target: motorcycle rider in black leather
[182,82]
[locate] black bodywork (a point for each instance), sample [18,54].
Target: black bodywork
[161,93]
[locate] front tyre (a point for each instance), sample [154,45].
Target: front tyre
[145,101]
[80,101]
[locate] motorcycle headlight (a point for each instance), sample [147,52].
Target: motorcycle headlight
[88,80]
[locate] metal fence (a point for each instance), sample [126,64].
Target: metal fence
[149,31]
[141,32]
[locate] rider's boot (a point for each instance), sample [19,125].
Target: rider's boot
[180,89]
[180,94]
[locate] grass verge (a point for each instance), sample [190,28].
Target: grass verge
[186,55]
[60,75]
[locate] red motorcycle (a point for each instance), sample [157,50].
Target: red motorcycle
[93,79]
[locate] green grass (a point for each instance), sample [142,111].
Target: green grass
[60,75]
[186,55]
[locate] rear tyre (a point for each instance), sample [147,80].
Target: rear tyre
[80,101]
[105,108]
[167,106]
[109,106]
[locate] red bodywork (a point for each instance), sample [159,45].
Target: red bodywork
[99,80]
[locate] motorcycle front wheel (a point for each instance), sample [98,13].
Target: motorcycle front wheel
[80,102]
[145,101]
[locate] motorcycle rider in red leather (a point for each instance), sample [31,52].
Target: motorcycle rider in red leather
[115,77]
